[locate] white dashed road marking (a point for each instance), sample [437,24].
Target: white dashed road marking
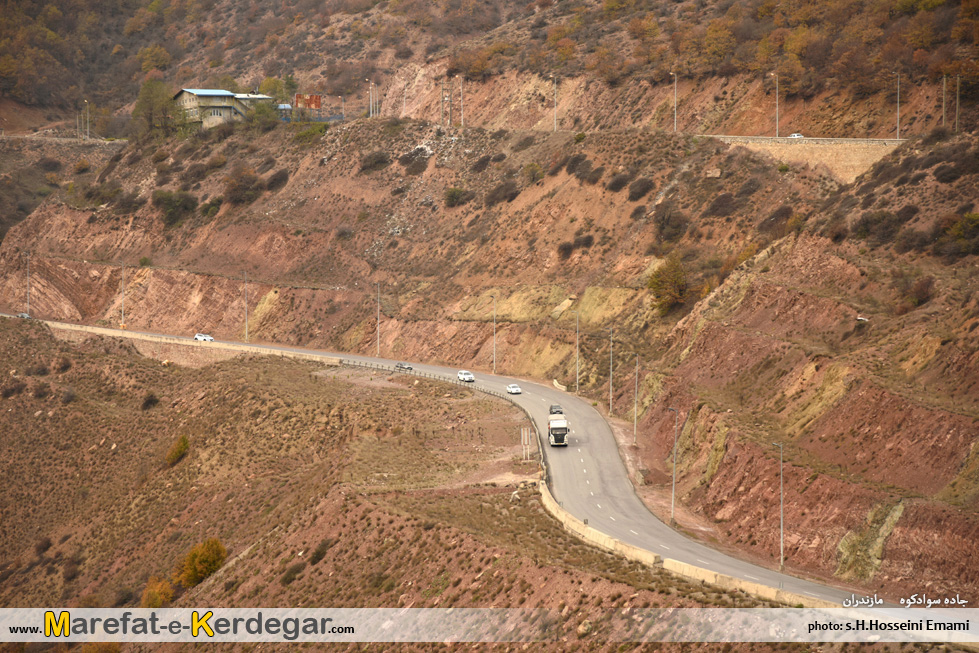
[633,532]
[751,577]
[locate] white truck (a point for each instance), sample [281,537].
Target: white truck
[557,430]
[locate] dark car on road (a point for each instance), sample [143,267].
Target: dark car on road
[556,409]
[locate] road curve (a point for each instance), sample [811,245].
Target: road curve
[588,477]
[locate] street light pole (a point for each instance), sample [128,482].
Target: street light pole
[246,306]
[378,319]
[462,106]
[610,371]
[343,108]
[781,511]
[635,405]
[554,79]
[957,87]
[28,283]
[776,103]
[122,264]
[944,80]
[674,101]
[494,334]
[898,105]
[577,351]
[676,416]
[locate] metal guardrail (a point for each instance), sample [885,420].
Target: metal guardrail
[464,384]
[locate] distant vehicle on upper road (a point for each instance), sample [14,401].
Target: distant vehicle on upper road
[465,375]
[404,367]
[203,337]
[24,315]
[556,409]
[796,136]
[513,389]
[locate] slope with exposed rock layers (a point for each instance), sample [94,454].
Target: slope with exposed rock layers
[876,414]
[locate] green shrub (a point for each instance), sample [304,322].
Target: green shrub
[376,160]
[242,185]
[311,134]
[49,165]
[145,262]
[506,191]
[532,173]
[619,181]
[523,143]
[320,551]
[292,573]
[211,208]
[481,163]
[82,166]
[175,205]
[178,450]
[277,180]
[579,137]
[457,196]
[639,188]
[200,562]
[149,401]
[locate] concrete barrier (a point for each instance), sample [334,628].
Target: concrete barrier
[691,572]
[585,532]
[562,388]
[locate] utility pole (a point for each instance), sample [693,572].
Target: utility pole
[122,264]
[944,79]
[442,102]
[610,371]
[450,104]
[898,105]
[676,416]
[674,101]
[343,109]
[577,350]
[554,79]
[776,103]
[246,306]
[781,511]
[404,101]
[494,334]
[88,121]
[635,405]
[28,283]
[462,106]
[957,87]
[378,319]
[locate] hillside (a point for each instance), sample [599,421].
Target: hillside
[836,61]
[756,338]
[307,476]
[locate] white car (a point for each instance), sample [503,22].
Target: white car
[513,389]
[796,136]
[203,337]
[465,375]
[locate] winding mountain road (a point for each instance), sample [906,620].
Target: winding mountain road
[588,477]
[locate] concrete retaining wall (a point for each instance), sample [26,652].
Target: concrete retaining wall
[845,158]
